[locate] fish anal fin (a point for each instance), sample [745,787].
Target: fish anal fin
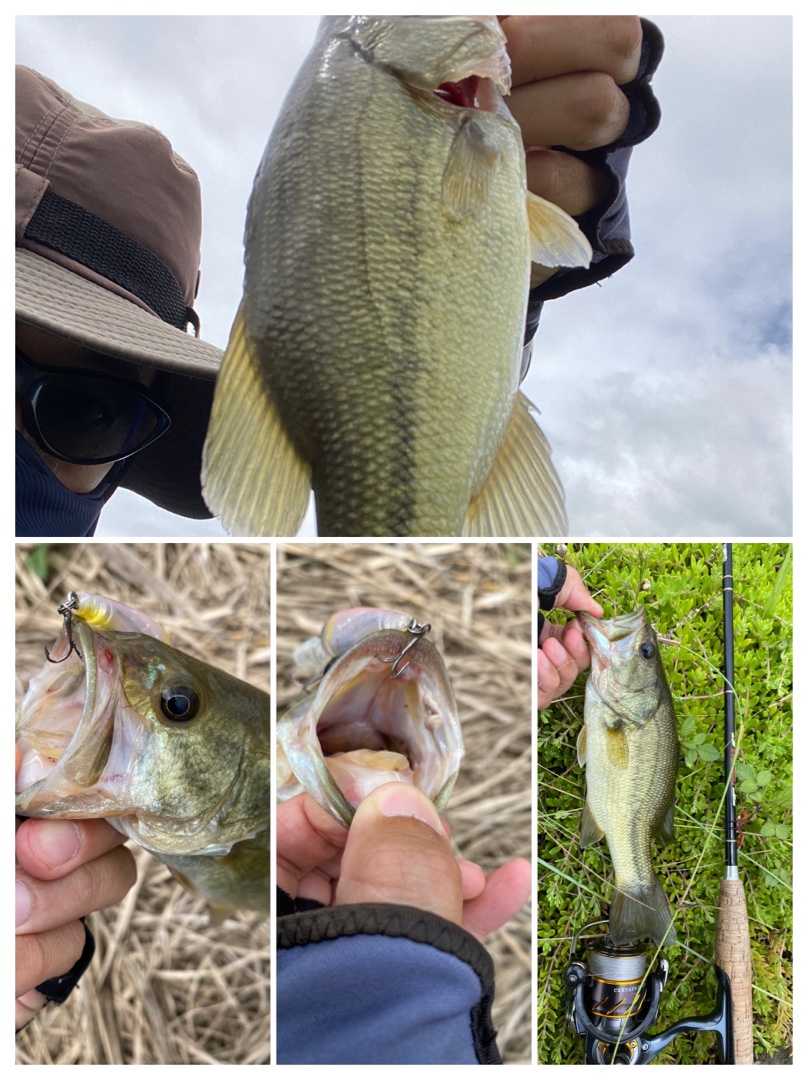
[591,832]
[555,238]
[521,495]
[252,476]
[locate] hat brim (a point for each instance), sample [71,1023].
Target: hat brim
[55,299]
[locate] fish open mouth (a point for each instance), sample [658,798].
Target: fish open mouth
[372,722]
[65,730]
[605,636]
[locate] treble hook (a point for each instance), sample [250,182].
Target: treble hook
[418,630]
[66,611]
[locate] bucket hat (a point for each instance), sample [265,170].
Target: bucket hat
[108,230]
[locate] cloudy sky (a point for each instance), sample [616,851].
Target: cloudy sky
[666,392]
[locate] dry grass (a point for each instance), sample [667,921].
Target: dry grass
[477,598]
[165,986]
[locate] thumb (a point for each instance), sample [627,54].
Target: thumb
[398,853]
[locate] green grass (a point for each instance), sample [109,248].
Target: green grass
[680,587]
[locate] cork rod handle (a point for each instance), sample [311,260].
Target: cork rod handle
[734,956]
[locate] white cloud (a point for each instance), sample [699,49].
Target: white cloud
[667,392]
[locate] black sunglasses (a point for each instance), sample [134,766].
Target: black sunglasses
[84,417]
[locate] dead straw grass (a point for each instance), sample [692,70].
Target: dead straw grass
[477,598]
[165,986]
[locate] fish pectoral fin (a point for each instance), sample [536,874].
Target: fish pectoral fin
[591,832]
[469,172]
[664,831]
[555,238]
[522,495]
[580,746]
[252,476]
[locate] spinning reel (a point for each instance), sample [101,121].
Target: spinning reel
[614,999]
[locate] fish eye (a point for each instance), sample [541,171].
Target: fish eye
[647,650]
[179,703]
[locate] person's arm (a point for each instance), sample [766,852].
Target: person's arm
[394,972]
[563,652]
[606,224]
[64,871]
[377,983]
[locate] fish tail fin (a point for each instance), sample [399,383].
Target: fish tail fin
[252,476]
[639,912]
[555,238]
[522,494]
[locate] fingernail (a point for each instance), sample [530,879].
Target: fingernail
[56,842]
[23,903]
[403,800]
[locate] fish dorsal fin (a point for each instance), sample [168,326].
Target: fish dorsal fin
[555,239]
[522,495]
[591,832]
[252,476]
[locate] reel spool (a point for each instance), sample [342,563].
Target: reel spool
[614,1000]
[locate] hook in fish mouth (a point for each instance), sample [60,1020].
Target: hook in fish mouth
[66,610]
[418,631]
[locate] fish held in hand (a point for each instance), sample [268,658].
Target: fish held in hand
[378,708]
[377,351]
[630,750]
[173,752]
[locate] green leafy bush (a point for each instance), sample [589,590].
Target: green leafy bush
[680,587]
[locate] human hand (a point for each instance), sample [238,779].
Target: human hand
[65,870]
[563,651]
[397,852]
[567,73]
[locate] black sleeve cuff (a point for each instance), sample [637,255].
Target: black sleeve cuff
[59,989]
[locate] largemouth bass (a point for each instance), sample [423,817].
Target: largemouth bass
[629,747]
[173,752]
[377,351]
[378,708]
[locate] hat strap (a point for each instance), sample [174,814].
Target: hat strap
[79,234]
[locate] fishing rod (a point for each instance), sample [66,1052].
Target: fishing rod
[614,993]
[733,953]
